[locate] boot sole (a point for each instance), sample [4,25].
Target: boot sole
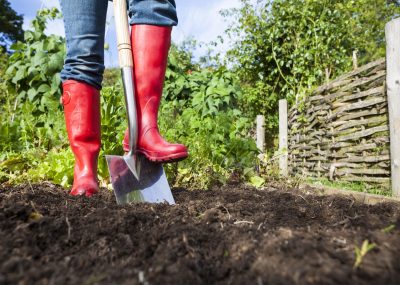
[166,159]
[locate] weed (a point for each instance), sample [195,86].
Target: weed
[389,229]
[362,252]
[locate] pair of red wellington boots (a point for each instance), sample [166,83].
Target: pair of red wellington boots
[150,45]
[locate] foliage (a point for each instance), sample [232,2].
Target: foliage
[35,63]
[27,129]
[3,63]
[281,48]
[111,77]
[23,126]
[217,144]
[3,67]
[36,165]
[360,253]
[10,24]
[32,133]
[201,115]
[113,125]
[180,67]
[200,110]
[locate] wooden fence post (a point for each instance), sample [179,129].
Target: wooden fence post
[355,59]
[283,137]
[260,133]
[393,96]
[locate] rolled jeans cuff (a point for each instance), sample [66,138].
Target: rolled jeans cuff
[153,12]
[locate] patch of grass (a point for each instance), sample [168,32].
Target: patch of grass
[351,186]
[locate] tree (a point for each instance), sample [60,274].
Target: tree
[396,2]
[282,48]
[10,25]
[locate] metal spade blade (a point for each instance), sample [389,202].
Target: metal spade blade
[152,185]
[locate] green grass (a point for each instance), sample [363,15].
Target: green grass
[351,186]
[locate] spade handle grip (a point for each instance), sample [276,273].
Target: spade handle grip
[123,38]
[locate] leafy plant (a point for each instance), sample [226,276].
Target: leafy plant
[26,129]
[55,166]
[31,120]
[360,253]
[35,165]
[35,63]
[113,124]
[111,77]
[213,128]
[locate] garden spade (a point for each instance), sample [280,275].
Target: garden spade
[133,177]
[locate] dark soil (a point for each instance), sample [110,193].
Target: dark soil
[228,235]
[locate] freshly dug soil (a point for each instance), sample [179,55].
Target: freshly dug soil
[229,235]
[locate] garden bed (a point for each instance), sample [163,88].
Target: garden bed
[228,235]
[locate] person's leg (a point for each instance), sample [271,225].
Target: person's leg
[82,75]
[84,23]
[151,39]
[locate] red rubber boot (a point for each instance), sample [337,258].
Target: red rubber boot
[150,46]
[82,117]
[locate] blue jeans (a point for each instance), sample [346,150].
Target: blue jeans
[84,22]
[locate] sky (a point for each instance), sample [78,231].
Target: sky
[199,19]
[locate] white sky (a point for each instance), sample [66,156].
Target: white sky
[197,18]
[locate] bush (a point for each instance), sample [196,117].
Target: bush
[217,145]
[32,73]
[200,110]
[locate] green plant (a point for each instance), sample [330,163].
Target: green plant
[33,68]
[55,166]
[213,128]
[26,129]
[113,124]
[31,120]
[111,77]
[200,109]
[217,146]
[36,165]
[360,253]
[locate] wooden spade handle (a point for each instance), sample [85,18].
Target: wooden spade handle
[123,38]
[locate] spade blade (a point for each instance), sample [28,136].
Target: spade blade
[152,185]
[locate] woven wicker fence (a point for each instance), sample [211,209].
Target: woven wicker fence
[342,131]
[348,129]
